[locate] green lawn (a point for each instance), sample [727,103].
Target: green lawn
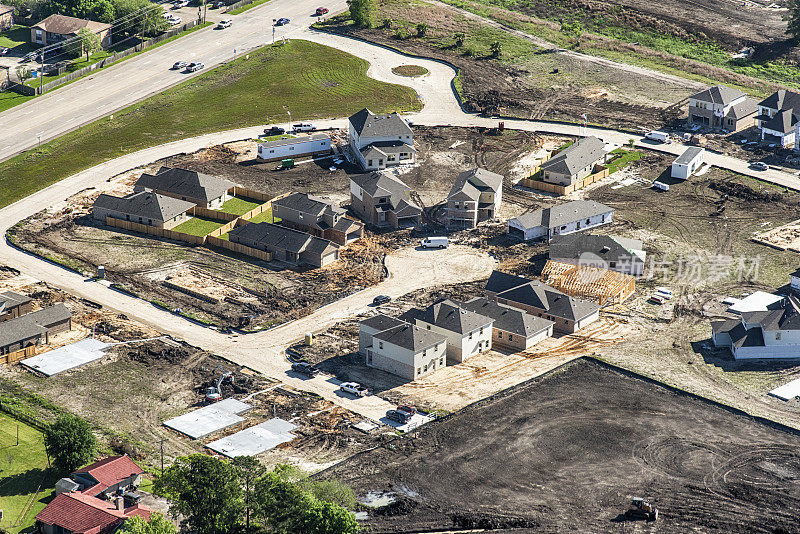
[264,216]
[9,99]
[239,206]
[247,6]
[309,79]
[18,36]
[23,472]
[622,159]
[198,226]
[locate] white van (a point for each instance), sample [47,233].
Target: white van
[304,127]
[658,136]
[435,242]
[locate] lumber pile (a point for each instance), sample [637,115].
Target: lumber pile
[602,285]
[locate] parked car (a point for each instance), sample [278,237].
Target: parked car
[305,368]
[304,127]
[381,299]
[194,66]
[655,299]
[282,21]
[407,408]
[274,130]
[180,3]
[224,24]
[321,11]
[759,166]
[354,388]
[397,415]
[3,51]
[435,242]
[178,65]
[174,21]
[218,4]
[30,56]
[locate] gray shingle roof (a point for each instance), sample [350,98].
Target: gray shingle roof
[12,299]
[367,124]
[688,155]
[506,318]
[473,181]
[448,315]
[783,121]
[551,300]
[145,204]
[305,203]
[576,157]
[744,109]
[379,184]
[500,281]
[410,337]
[725,326]
[782,99]
[605,247]
[563,214]
[382,322]
[719,94]
[190,184]
[32,324]
[283,238]
[787,318]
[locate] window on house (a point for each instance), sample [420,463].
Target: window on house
[499,335]
[777,335]
[380,344]
[470,335]
[612,264]
[441,361]
[380,162]
[419,371]
[424,352]
[369,163]
[510,337]
[425,369]
[369,357]
[428,326]
[587,221]
[563,227]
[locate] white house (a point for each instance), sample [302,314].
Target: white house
[794,281]
[380,141]
[772,334]
[778,118]
[574,216]
[467,333]
[401,348]
[294,147]
[687,163]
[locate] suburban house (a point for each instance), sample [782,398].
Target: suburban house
[401,348]
[468,333]
[575,162]
[13,304]
[687,163]
[201,189]
[475,196]
[144,208]
[561,219]
[57,28]
[316,216]
[569,314]
[287,245]
[293,147]
[383,200]
[34,328]
[6,17]
[512,328]
[95,500]
[771,334]
[778,117]
[607,252]
[723,108]
[380,141]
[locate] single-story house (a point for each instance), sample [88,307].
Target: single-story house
[318,217]
[6,17]
[295,147]
[13,305]
[607,252]
[569,314]
[468,333]
[687,163]
[383,200]
[380,141]
[722,107]
[78,513]
[287,245]
[475,196]
[143,207]
[575,162]
[512,328]
[58,28]
[401,348]
[771,334]
[201,189]
[109,477]
[34,328]
[561,219]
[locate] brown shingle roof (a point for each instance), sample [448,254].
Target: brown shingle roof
[64,25]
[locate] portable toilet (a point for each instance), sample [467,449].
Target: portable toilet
[309,339]
[101,272]
[287,163]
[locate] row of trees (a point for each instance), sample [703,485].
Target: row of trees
[219,497]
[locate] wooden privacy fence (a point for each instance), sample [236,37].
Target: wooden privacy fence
[216,215]
[241,249]
[17,355]
[152,230]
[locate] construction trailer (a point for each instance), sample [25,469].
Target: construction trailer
[295,147]
[687,163]
[595,283]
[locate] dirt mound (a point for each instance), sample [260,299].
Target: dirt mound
[401,506]
[157,352]
[489,522]
[744,192]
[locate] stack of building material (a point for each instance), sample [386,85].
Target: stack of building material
[607,287]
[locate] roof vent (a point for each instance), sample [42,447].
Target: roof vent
[605,249]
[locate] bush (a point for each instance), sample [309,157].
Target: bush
[422,29]
[387,24]
[402,34]
[468,51]
[459,38]
[496,49]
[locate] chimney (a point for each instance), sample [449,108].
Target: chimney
[120,503]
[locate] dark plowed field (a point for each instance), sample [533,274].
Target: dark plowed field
[564,452]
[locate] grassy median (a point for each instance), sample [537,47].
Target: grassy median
[307,79]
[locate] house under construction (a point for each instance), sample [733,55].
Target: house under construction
[602,285]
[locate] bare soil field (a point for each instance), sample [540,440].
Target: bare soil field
[565,451]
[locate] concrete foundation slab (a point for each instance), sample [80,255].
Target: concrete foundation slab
[71,356]
[209,419]
[787,391]
[255,440]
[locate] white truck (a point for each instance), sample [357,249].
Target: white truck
[435,242]
[304,127]
[354,388]
[655,135]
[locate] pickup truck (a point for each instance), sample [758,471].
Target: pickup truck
[304,127]
[354,388]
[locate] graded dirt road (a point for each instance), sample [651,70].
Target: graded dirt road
[564,452]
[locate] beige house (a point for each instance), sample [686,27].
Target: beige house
[58,28]
[286,244]
[575,162]
[201,189]
[512,328]
[317,217]
[475,196]
[383,200]
[401,348]
[143,208]
[6,17]
[722,107]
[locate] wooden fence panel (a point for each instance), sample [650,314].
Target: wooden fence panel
[241,249]
[152,230]
[17,355]
[199,211]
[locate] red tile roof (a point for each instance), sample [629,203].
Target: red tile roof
[111,470]
[84,514]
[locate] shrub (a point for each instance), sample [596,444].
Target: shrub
[422,29]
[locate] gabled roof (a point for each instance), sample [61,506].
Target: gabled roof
[782,99]
[787,318]
[64,25]
[12,299]
[381,322]
[410,337]
[111,470]
[305,203]
[743,109]
[551,300]
[183,182]
[367,124]
[145,204]
[474,181]
[576,157]
[500,281]
[284,238]
[32,324]
[688,155]
[506,318]
[783,121]
[578,245]
[83,514]
[448,315]
[719,94]
[563,214]
[380,184]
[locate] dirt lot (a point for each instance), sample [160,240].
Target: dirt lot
[565,452]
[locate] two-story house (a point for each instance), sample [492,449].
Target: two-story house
[475,196]
[13,304]
[512,329]
[468,333]
[380,141]
[723,108]
[562,219]
[383,200]
[315,216]
[778,118]
[575,162]
[201,189]
[401,348]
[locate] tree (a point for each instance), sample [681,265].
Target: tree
[422,29]
[249,471]
[70,442]
[206,491]
[158,524]
[459,38]
[362,12]
[496,48]
[792,16]
[572,28]
[86,42]
[387,24]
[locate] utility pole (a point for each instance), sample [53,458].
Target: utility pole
[162,456]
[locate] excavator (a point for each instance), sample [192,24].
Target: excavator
[214,393]
[641,509]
